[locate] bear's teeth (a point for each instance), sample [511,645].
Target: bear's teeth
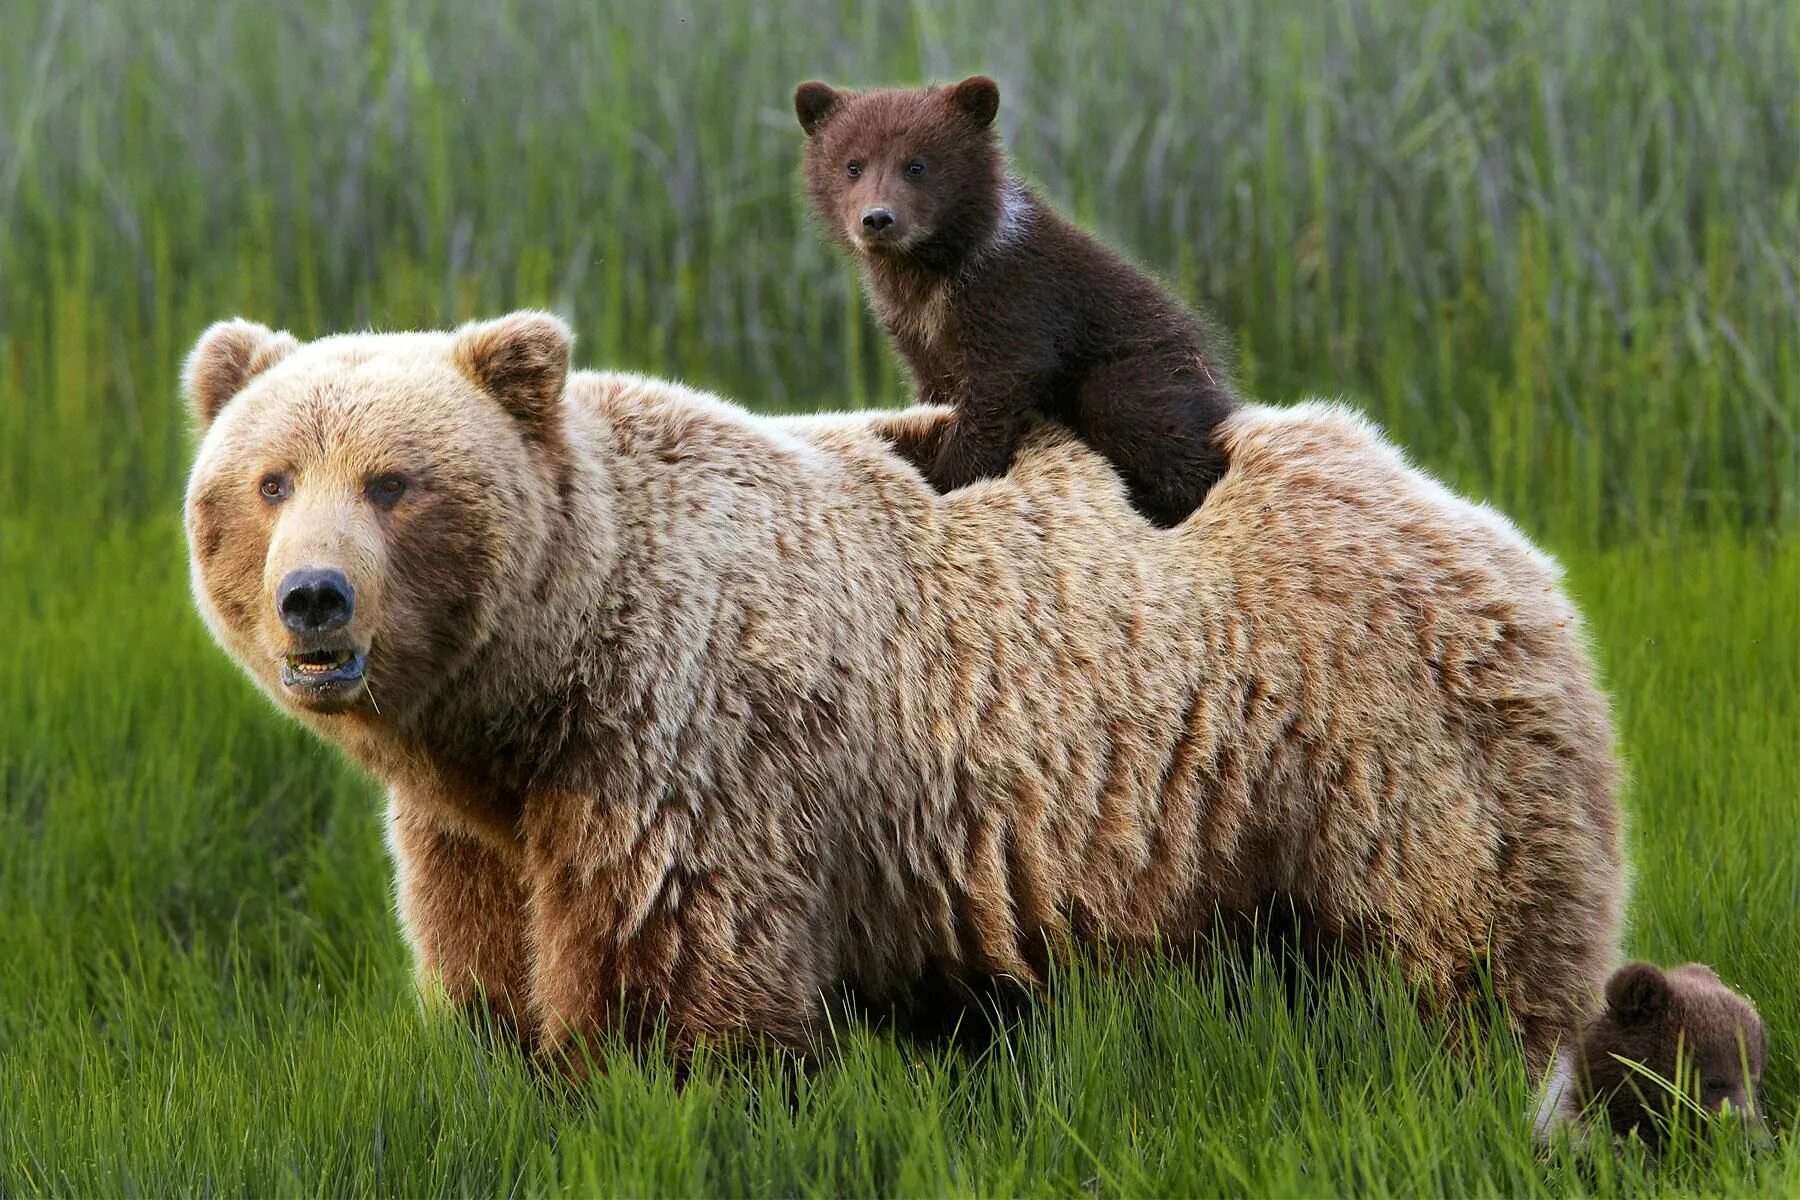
[313,665]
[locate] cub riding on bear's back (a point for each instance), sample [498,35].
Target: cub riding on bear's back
[1002,308]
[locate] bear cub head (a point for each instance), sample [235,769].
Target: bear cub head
[365,512]
[905,173]
[1683,1026]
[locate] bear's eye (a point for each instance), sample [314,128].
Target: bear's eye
[915,168]
[853,170]
[386,490]
[274,487]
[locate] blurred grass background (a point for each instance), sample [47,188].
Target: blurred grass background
[1552,247]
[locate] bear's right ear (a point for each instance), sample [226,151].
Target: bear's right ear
[522,360]
[229,355]
[1638,992]
[813,102]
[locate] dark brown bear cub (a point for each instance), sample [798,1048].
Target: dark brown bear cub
[1682,1026]
[1002,308]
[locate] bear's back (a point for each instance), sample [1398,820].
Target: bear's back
[1337,679]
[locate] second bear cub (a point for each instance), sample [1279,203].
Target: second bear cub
[1000,307]
[1679,1027]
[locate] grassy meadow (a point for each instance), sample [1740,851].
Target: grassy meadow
[1553,247]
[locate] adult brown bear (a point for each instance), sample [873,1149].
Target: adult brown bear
[688,711]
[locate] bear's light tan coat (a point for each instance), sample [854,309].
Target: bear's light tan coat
[730,710]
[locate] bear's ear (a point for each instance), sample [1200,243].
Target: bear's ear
[977,98]
[229,355]
[522,360]
[1637,992]
[813,102]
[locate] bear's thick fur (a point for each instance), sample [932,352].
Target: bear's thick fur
[685,710]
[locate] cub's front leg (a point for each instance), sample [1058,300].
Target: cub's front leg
[462,906]
[916,434]
[980,439]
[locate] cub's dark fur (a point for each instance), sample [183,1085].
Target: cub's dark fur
[1002,308]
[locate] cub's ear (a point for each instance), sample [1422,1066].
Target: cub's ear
[1636,993]
[521,359]
[977,98]
[813,102]
[229,355]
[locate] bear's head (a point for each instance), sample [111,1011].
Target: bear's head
[366,511]
[905,172]
[1680,1027]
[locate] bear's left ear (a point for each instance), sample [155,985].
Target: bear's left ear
[522,360]
[229,355]
[1637,992]
[977,98]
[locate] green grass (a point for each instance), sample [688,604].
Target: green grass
[1552,247]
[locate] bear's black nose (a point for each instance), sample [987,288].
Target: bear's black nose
[315,600]
[877,219]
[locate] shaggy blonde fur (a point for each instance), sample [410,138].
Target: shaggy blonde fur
[689,711]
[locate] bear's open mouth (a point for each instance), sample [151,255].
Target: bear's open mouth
[322,670]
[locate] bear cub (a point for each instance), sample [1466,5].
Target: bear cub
[1655,1018]
[1002,308]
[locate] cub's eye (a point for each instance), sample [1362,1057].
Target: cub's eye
[275,487]
[853,170]
[915,168]
[386,490]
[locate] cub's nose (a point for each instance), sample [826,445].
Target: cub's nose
[876,220]
[315,600]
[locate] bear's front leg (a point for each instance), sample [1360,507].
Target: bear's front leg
[636,943]
[462,906]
